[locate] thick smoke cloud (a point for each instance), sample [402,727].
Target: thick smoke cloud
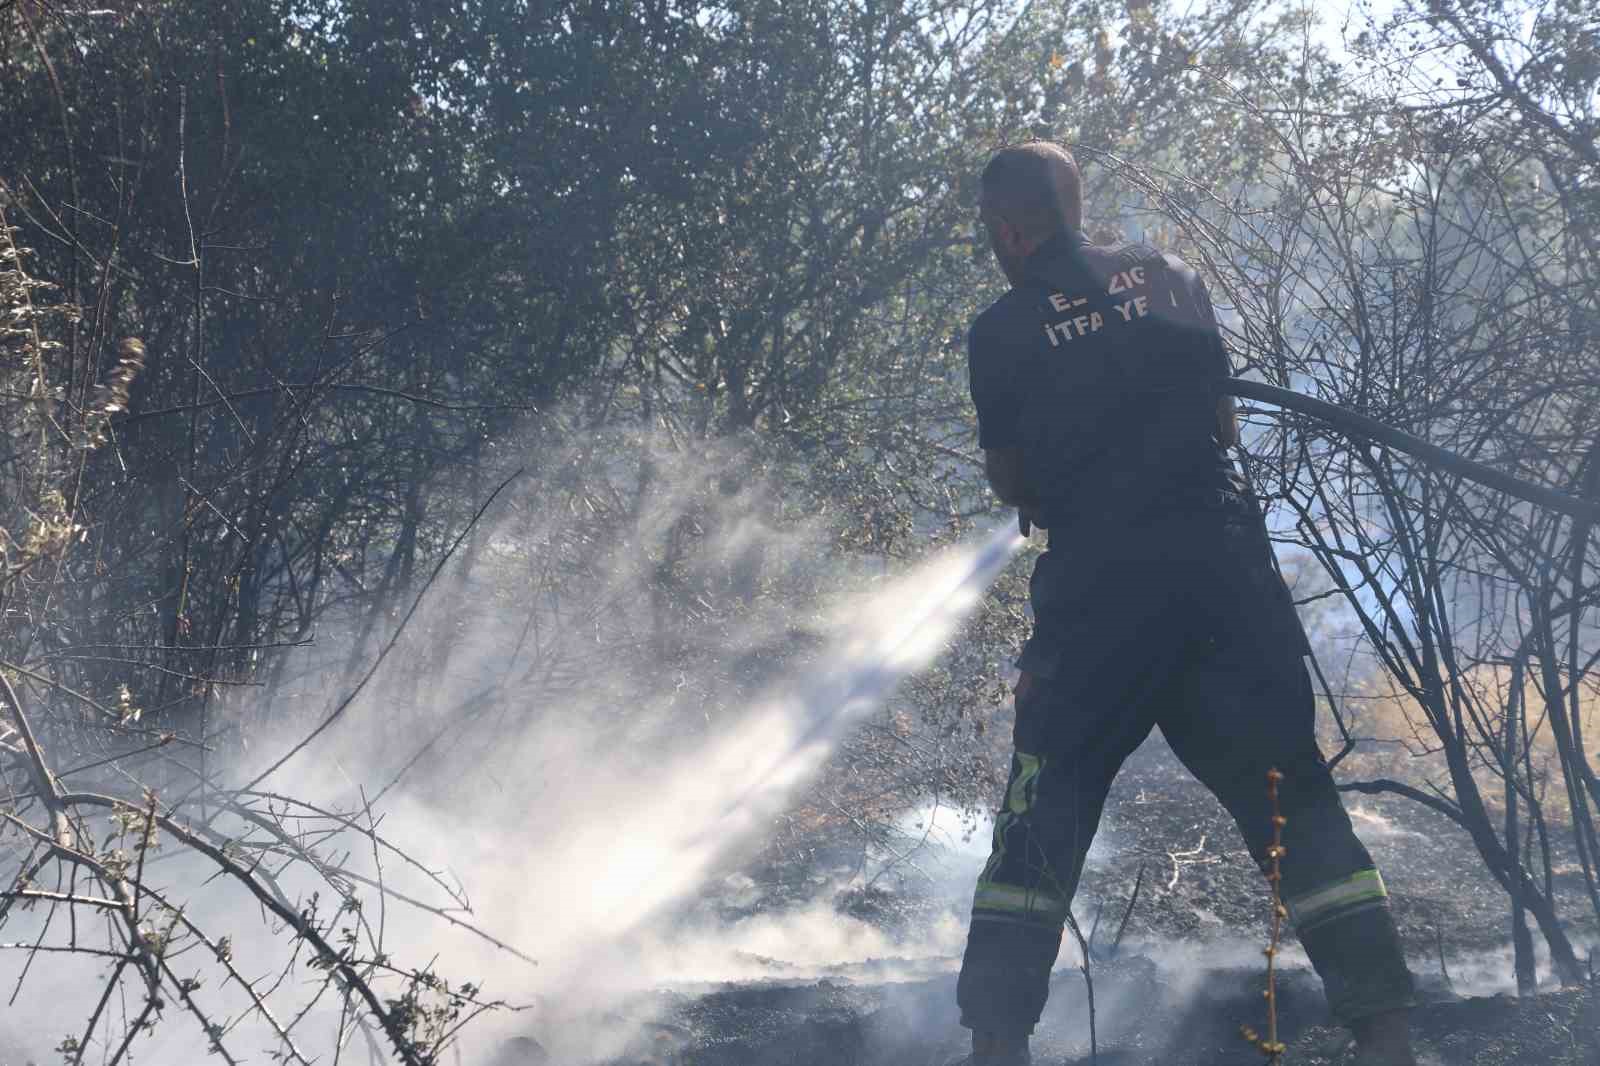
[529,745]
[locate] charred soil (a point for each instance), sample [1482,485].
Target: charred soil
[1188,973]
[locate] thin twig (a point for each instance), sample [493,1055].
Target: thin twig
[44,781]
[1444,967]
[1138,881]
[1271,1046]
[1088,982]
[298,921]
[394,639]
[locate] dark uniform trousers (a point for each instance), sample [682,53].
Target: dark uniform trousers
[1182,623]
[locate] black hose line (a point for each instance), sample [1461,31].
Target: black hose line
[1358,425]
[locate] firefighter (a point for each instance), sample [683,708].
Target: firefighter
[1098,385]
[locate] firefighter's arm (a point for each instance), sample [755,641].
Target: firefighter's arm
[993,362]
[1003,467]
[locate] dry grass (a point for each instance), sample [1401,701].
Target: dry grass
[1395,739]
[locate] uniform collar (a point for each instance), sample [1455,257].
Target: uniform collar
[1063,245]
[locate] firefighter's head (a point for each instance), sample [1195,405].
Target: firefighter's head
[1029,193]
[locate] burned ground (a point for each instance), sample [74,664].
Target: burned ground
[1188,974]
[1148,1015]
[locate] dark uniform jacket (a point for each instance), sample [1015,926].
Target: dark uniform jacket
[1103,370]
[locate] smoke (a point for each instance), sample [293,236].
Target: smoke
[590,762]
[1492,971]
[616,851]
[582,795]
[1374,825]
[613,843]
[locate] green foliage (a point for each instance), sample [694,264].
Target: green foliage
[364,240]
[376,251]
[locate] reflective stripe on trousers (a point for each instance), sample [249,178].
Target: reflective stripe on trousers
[1360,891]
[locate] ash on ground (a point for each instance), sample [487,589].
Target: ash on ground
[1186,976]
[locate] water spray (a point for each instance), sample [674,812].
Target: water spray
[686,817]
[891,635]
[734,785]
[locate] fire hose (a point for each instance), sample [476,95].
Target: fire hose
[1362,426]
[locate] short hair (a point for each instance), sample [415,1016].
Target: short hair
[1036,187]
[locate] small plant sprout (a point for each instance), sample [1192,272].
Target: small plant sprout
[1270,1045]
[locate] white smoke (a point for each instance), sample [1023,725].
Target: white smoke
[574,839]
[617,852]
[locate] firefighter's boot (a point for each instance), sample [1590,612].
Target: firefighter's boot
[1384,1039]
[998,1049]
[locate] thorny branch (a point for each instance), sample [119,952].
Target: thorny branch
[414,1026]
[83,875]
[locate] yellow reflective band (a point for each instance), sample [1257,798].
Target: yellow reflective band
[1017,803]
[1014,900]
[1028,768]
[1361,887]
